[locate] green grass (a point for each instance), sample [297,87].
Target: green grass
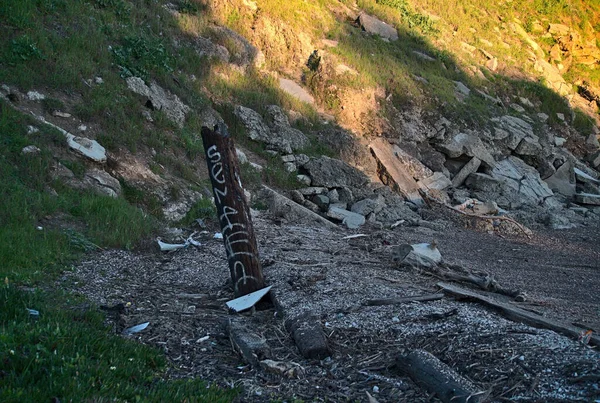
[68,353]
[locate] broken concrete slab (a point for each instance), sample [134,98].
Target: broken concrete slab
[392,173]
[512,183]
[84,146]
[529,146]
[470,167]
[367,206]
[350,219]
[517,130]
[418,255]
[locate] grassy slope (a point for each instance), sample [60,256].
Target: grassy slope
[56,45]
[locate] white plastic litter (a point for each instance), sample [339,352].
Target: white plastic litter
[33,312]
[135,329]
[218,235]
[165,247]
[247,301]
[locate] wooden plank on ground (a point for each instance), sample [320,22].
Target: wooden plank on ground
[403,300]
[517,314]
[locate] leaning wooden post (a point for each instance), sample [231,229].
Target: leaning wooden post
[232,210]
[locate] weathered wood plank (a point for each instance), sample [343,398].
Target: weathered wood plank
[403,300]
[436,377]
[517,314]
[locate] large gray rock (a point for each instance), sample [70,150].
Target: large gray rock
[281,129]
[258,130]
[467,144]
[348,218]
[243,53]
[206,48]
[102,183]
[333,173]
[512,184]
[375,26]
[161,99]
[562,181]
[368,206]
[512,130]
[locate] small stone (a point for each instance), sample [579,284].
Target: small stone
[32,129]
[30,150]
[517,108]
[146,114]
[321,201]
[60,114]
[241,156]
[560,116]
[35,96]
[304,179]
[543,117]
[82,128]
[98,80]
[288,158]
[334,196]
[289,167]
[559,141]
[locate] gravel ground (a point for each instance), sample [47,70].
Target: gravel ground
[183,296]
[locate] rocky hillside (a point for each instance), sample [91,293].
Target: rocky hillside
[418,96]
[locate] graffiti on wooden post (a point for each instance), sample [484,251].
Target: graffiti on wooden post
[233,212]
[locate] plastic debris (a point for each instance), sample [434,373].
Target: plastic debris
[166,247]
[33,312]
[201,339]
[247,301]
[135,329]
[218,235]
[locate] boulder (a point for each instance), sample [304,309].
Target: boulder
[562,181]
[512,130]
[333,173]
[467,144]
[30,150]
[102,183]
[281,129]
[512,183]
[375,26]
[594,159]
[529,146]
[348,218]
[206,48]
[243,53]
[368,206]
[160,99]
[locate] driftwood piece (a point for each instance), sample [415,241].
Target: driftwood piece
[309,337]
[403,300]
[232,211]
[528,233]
[519,315]
[436,377]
